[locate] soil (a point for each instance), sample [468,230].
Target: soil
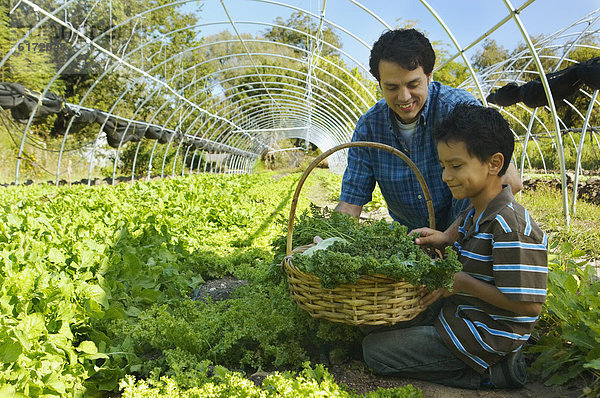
[361,380]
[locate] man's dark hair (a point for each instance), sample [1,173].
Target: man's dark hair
[483,130]
[406,47]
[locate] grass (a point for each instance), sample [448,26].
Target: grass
[551,175]
[39,165]
[546,207]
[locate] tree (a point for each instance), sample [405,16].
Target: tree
[297,31]
[27,65]
[452,74]
[491,54]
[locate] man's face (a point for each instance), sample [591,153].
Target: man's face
[405,91]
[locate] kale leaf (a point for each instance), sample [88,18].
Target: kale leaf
[371,247]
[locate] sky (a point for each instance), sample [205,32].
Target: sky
[466,19]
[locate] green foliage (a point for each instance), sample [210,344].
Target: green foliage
[26,66]
[76,262]
[571,344]
[543,154]
[452,73]
[371,247]
[290,32]
[490,54]
[310,382]
[258,327]
[545,204]
[95,285]
[568,333]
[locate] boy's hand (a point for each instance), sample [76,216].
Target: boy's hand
[429,298]
[432,238]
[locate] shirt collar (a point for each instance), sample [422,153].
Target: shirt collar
[504,198]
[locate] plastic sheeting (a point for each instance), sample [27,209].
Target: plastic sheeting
[22,103]
[563,84]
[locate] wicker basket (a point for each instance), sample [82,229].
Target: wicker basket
[372,299]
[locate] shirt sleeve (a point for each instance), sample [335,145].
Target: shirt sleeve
[520,266]
[358,182]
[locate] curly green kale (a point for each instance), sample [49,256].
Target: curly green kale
[369,248]
[317,221]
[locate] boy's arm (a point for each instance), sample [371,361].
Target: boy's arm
[464,283]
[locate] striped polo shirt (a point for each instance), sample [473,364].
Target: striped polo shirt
[505,248]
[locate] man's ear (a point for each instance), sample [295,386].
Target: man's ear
[429,78]
[495,163]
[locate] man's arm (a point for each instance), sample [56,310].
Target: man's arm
[347,208]
[513,178]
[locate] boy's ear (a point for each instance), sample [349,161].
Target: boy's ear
[495,163]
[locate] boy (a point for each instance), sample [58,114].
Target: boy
[471,337]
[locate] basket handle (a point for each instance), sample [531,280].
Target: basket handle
[325,154]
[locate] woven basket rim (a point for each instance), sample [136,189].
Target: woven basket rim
[389,301]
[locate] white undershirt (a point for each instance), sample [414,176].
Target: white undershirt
[407,130]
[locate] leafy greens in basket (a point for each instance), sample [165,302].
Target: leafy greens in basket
[367,248]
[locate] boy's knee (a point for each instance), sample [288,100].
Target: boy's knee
[372,353]
[511,372]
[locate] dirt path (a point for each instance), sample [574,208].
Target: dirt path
[362,381]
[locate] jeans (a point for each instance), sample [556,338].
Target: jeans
[415,349]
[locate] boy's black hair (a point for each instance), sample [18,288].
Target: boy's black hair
[408,48]
[483,130]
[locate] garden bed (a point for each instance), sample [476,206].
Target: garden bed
[99,281]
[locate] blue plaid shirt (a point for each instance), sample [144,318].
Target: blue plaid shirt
[398,183]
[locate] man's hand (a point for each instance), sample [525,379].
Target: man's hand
[432,238]
[347,208]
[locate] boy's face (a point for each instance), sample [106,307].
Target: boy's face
[465,174]
[405,91]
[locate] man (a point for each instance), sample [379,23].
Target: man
[412,107]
